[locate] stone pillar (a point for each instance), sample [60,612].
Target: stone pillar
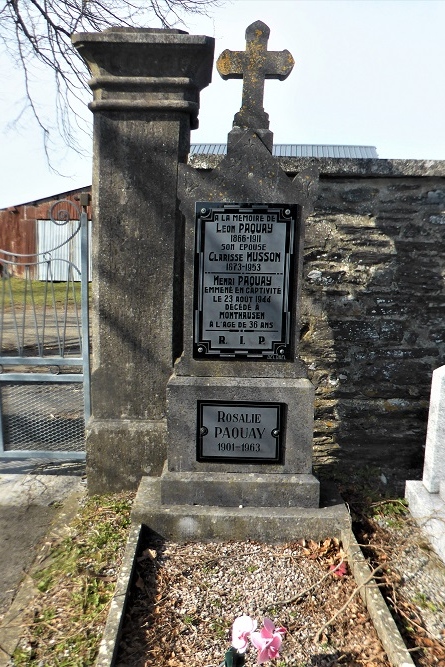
[146,87]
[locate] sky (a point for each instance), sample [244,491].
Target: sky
[367,72]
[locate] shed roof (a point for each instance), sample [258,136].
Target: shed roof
[297,150]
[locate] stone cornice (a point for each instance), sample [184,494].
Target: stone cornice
[150,71]
[344,167]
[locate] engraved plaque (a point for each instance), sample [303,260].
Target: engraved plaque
[240,432]
[244,278]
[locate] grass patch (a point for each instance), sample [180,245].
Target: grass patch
[66,622]
[18,291]
[424,602]
[393,511]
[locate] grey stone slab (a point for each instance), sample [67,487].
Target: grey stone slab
[239,489]
[428,509]
[184,523]
[434,463]
[184,393]
[30,490]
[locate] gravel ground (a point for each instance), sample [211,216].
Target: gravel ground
[186,598]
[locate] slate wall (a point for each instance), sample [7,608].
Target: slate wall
[373,324]
[373,310]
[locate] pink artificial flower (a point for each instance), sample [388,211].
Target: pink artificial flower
[339,570]
[268,641]
[241,630]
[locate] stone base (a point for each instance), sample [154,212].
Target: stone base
[121,452]
[185,523]
[428,509]
[183,394]
[239,489]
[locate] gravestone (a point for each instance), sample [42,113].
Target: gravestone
[427,498]
[239,404]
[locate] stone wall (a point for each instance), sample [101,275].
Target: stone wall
[373,312]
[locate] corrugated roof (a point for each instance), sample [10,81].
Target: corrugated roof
[297,150]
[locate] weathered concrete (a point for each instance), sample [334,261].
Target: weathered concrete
[239,489]
[184,523]
[121,451]
[428,509]
[146,87]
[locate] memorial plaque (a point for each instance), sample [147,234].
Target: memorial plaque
[244,278]
[240,431]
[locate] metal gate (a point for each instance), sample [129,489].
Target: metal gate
[44,341]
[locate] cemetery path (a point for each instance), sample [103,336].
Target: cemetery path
[31,497]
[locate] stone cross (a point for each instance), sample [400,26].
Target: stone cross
[254,65]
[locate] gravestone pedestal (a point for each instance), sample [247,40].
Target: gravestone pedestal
[286,482]
[426,499]
[194,522]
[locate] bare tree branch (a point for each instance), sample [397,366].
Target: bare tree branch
[37,36]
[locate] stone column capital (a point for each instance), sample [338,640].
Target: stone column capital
[148,70]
